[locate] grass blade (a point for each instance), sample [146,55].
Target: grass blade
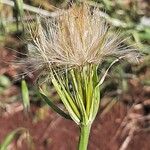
[25,95]
[54,107]
[9,138]
[18,12]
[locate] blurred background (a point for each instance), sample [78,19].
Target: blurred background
[27,122]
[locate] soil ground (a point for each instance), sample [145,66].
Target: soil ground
[55,133]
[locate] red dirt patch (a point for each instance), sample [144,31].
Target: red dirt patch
[56,133]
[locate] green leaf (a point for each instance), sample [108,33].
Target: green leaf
[25,95]
[19,13]
[9,138]
[54,107]
[19,7]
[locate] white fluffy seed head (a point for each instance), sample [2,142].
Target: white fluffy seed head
[76,37]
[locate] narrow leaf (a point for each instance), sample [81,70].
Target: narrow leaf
[54,107]
[25,95]
[9,138]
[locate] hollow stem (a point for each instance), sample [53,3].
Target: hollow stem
[84,137]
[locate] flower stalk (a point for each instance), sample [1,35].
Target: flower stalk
[84,137]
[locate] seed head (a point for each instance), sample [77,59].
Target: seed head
[76,37]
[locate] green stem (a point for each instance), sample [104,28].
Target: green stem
[84,137]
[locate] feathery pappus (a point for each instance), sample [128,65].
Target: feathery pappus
[76,37]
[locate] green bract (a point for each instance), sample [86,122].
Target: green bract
[79,91]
